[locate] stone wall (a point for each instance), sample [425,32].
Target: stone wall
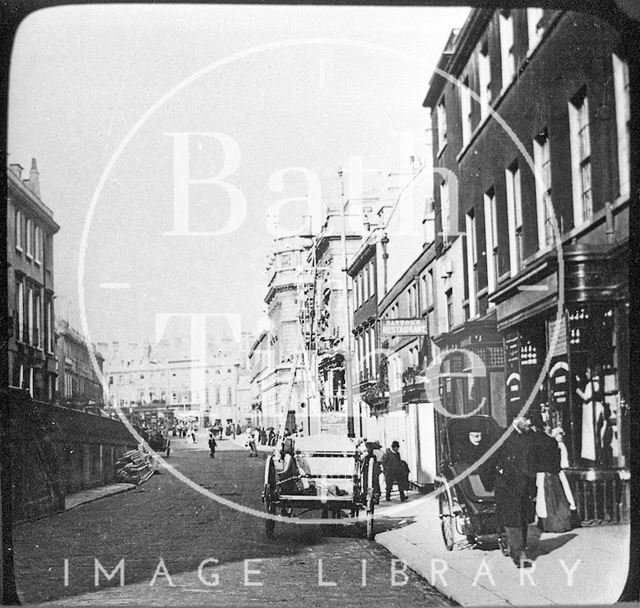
[57,451]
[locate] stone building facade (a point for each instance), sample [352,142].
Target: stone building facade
[30,285]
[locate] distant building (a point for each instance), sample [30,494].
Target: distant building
[331,332]
[79,383]
[158,384]
[30,287]
[282,380]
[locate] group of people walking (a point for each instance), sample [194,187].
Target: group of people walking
[186,430]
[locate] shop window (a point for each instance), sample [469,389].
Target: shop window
[599,415]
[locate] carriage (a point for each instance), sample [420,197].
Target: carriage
[159,442]
[467,508]
[330,476]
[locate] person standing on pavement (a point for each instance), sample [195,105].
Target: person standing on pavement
[552,505]
[251,442]
[515,492]
[212,444]
[393,470]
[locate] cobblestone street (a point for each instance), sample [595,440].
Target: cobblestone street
[165,528]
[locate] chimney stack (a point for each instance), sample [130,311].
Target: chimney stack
[34,178]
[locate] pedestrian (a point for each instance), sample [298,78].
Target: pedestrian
[192,431]
[515,493]
[251,443]
[212,444]
[471,450]
[552,505]
[393,470]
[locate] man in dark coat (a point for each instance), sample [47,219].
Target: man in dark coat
[212,444]
[515,491]
[393,470]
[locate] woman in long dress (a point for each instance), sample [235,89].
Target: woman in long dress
[552,506]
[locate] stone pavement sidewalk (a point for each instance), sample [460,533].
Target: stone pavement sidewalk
[79,498]
[582,566]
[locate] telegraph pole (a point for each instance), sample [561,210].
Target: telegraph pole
[347,324]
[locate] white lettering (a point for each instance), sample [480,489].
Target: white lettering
[161,570]
[321,582]
[570,572]
[214,581]
[247,572]
[182,181]
[97,568]
[483,570]
[395,572]
[438,572]
[528,573]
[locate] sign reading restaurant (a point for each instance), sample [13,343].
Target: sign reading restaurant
[404,327]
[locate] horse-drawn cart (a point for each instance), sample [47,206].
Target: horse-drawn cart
[325,473]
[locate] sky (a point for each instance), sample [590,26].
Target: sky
[179,140]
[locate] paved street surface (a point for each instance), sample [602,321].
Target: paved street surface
[167,528]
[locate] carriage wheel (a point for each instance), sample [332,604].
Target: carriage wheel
[270,496]
[370,500]
[447,524]
[270,524]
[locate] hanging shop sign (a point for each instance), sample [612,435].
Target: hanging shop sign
[404,327]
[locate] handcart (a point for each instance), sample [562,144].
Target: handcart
[467,508]
[330,475]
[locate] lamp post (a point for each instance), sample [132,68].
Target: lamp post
[236,367]
[347,325]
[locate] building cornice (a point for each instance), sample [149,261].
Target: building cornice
[28,198]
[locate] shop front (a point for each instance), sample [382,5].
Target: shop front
[566,357]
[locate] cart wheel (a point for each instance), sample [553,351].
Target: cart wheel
[269,495]
[370,500]
[270,524]
[447,525]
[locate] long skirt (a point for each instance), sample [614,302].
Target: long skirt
[552,505]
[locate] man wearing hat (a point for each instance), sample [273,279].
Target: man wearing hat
[515,492]
[393,469]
